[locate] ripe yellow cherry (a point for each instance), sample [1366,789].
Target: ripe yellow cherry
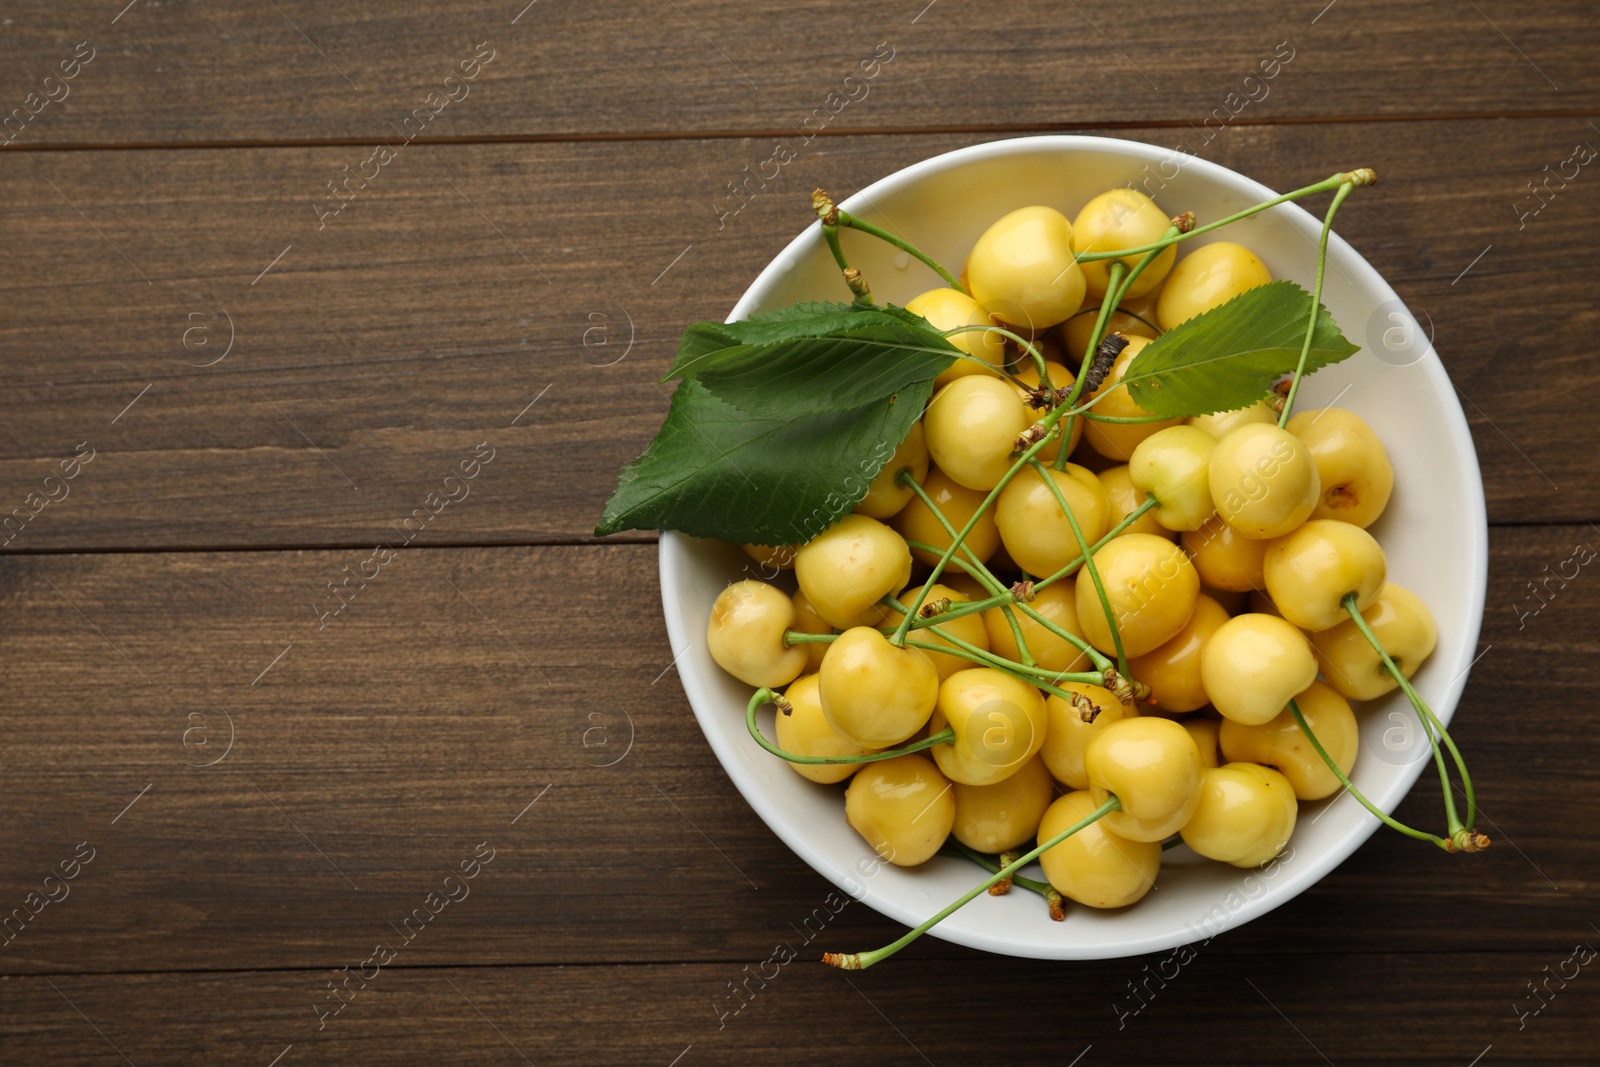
[1151,765]
[902,807]
[1003,816]
[1096,866]
[1033,527]
[1067,735]
[971,426]
[1174,465]
[1218,424]
[1023,269]
[885,495]
[1208,277]
[1403,625]
[1117,440]
[1253,664]
[999,723]
[958,504]
[968,628]
[745,634]
[1351,464]
[1310,572]
[1172,671]
[1226,558]
[807,621]
[773,558]
[1207,737]
[1279,743]
[847,568]
[1125,498]
[874,694]
[1075,331]
[1055,602]
[1152,588]
[1118,219]
[1263,480]
[1245,816]
[805,732]
[1060,378]
[949,309]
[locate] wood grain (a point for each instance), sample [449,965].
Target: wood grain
[1433,1009]
[376,752]
[298,71]
[370,357]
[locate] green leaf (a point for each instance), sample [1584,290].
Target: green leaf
[715,470]
[812,358]
[1229,357]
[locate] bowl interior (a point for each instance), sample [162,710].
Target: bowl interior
[1434,532]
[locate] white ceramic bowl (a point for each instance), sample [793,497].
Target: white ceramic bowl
[1434,531]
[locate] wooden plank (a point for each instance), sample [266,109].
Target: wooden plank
[298,71]
[373,755]
[371,357]
[1304,1008]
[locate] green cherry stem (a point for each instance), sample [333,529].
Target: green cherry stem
[1089,565]
[1023,651]
[956,850]
[1430,721]
[852,222]
[1362,176]
[1108,304]
[1128,520]
[767,696]
[860,961]
[1026,345]
[1131,314]
[1420,835]
[1128,420]
[1316,304]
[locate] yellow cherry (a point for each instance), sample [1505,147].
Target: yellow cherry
[968,628]
[971,426]
[1067,735]
[1033,528]
[999,723]
[1263,480]
[1125,498]
[1118,219]
[1310,571]
[1075,331]
[1207,738]
[1153,767]
[1151,586]
[874,694]
[805,732]
[1000,817]
[949,309]
[1279,743]
[849,567]
[1402,624]
[885,495]
[1172,671]
[1174,466]
[902,807]
[1253,664]
[745,634]
[1208,277]
[1055,602]
[1351,464]
[1218,424]
[1023,269]
[958,504]
[1245,816]
[1095,866]
[1226,558]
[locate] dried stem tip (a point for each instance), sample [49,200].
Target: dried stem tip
[1003,886]
[1184,222]
[1027,439]
[935,607]
[781,704]
[1468,841]
[1361,176]
[823,205]
[1022,592]
[845,961]
[1058,907]
[1087,709]
[858,285]
[1105,355]
[1128,692]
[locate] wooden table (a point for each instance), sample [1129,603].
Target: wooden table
[258,750]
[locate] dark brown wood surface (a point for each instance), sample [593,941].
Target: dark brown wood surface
[170,602]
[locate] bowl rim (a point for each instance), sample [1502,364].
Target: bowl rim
[1362,825]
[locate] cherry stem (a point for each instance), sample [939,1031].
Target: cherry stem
[1338,772]
[1363,176]
[1430,722]
[860,961]
[767,696]
[1125,311]
[1107,305]
[955,849]
[1026,345]
[1316,303]
[1127,420]
[1025,653]
[1089,565]
[855,223]
[1027,673]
